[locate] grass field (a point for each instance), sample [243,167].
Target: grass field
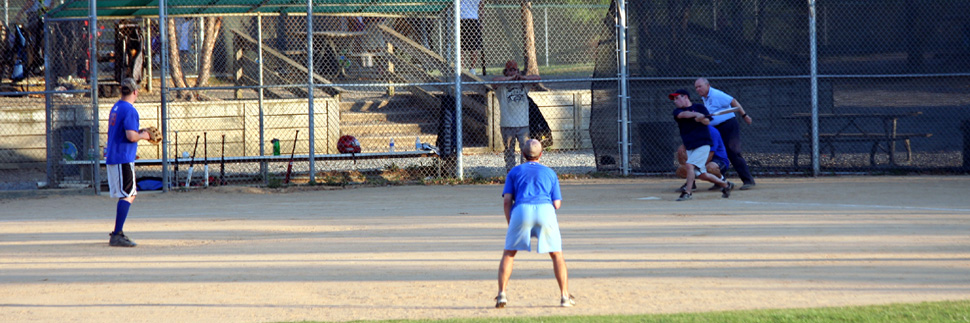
[955,311]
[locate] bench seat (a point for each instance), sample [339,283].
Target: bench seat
[875,138]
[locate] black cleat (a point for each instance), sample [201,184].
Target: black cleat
[726,192]
[120,240]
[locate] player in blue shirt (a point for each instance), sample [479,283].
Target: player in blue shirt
[693,121]
[123,137]
[531,198]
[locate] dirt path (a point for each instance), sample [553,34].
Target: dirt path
[235,255]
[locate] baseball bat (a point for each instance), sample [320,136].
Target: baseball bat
[222,163]
[205,158]
[176,177]
[725,111]
[188,179]
[289,168]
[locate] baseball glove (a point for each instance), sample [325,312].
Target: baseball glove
[154,134]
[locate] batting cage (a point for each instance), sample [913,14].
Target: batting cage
[286,92]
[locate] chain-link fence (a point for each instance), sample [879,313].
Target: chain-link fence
[890,81]
[239,87]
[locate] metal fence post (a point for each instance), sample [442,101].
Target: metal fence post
[93,28]
[48,107]
[458,110]
[813,65]
[309,33]
[148,53]
[163,31]
[263,166]
[624,107]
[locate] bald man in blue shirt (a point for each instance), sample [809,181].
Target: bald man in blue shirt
[531,197]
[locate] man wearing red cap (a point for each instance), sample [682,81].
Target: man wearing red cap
[693,121]
[513,102]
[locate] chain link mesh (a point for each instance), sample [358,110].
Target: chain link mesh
[891,96]
[891,86]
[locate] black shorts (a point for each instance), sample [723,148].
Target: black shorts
[471,34]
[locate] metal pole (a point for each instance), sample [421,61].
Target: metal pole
[263,169]
[624,107]
[545,22]
[309,36]
[197,48]
[93,41]
[441,38]
[458,109]
[814,80]
[49,109]
[148,51]
[163,31]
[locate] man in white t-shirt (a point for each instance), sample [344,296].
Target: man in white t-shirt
[513,102]
[716,100]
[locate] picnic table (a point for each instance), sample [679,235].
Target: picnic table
[850,130]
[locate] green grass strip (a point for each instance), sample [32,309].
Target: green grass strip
[946,311]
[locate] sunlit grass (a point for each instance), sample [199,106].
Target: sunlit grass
[947,311]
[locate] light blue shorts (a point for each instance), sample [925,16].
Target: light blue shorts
[533,220]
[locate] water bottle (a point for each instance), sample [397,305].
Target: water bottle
[417,143]
[276,147]
[392,145]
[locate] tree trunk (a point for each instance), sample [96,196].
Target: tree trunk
[529,39]
[175,62]
[212,27]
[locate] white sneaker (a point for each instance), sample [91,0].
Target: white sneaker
[567,301]
[500,300]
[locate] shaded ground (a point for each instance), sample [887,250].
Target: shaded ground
[244,255]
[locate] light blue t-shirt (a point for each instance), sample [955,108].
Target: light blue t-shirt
[532,183]
[715,101]
[123,117]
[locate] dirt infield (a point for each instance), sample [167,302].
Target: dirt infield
[239,255]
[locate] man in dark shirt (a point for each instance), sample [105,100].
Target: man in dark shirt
[693,119]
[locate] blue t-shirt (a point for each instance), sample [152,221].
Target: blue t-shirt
[717,146]
[532,183]
[123,117]
[693,133]
[715,101]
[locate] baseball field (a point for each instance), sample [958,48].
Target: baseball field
[237,254]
